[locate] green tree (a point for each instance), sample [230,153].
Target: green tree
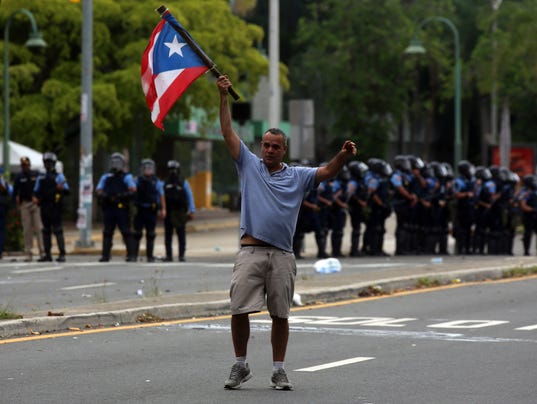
[506,57]
[45,86]
[351,66]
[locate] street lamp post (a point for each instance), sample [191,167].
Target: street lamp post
[416,46]
[35,40]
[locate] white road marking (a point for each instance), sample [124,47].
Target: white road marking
[335,364]
[91,285]
[527,328]
[32,270]
[468,324]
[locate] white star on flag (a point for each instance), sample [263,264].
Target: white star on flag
[175,47]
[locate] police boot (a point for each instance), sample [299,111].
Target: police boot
[107,248]
[320,238]
[131,245]
[298,242]
[61,245]
[443,244]
[355,242]
[336,240]
[47,245]
[149,247]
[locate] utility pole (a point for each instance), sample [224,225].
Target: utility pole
[274,64]
[85,195]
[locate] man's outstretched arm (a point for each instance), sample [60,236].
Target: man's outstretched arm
[233,141]
[332,168]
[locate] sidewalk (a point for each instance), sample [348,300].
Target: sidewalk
[204,221]
[215,234]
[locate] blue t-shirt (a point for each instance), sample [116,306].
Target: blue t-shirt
[270,202]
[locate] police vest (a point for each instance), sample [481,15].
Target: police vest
[146,190]
[47,192]
[115,185]
[175,193]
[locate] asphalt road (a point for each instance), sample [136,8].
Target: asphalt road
[34,289]
[467,344]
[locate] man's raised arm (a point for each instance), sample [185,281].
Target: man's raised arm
[233,142]
[332,168]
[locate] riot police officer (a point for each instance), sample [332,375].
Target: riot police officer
[403,202]
[339,212]
[464,194]
[440,214]
[115,191]
[417,211]
[49,191]
[379,205]
[180,209]
[356,193]
[485,195]
[528,206]
[149,201]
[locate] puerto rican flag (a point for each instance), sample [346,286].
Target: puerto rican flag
[169,66]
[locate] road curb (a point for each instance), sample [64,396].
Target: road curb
[177,311]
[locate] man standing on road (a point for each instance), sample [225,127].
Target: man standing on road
[23,189]
[271,194]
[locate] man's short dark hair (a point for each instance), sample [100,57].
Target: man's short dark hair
[276,131]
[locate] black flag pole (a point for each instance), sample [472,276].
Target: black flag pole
[163,10]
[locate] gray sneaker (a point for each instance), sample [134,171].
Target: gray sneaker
[238,376]
[279,380]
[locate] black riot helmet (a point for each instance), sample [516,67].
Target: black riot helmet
[344,174]
[427,171]
[512,178]
[147,167]
[402,163]
[466,169]
[449,171]
[358,169]
[174,167]
[439,170]
[483,173]
[416,163]
[49,160]
[530,182]
[117,162]
[380,167]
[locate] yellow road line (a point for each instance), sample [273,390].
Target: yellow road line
[227,316]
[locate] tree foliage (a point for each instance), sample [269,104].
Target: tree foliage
[45,85]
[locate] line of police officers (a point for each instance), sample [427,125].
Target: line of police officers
[125,200]
[481,208]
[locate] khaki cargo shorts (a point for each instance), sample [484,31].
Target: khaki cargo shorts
[259,272]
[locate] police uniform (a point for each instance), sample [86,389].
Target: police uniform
[149,191]
[379,206]
[464,189]
[400,182]
[49,191]
[309,221]
[528,203]
[356,198]
[115,191]
[179,209]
